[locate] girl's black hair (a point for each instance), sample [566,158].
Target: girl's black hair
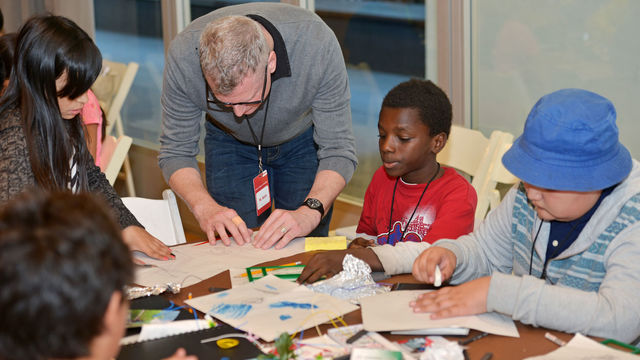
[7,48]
[47,47]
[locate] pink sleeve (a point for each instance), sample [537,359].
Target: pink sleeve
[92,114]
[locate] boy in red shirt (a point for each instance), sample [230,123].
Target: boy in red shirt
[410,197]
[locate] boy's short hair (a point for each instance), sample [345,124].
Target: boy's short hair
[61,259]
[432,103]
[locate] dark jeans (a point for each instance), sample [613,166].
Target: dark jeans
[232,165]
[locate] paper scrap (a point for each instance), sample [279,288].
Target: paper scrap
[195,262]
[582,348]
[325,243]
[157,331]
[391,311]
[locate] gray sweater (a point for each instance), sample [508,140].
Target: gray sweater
[597,279]
[310,87]
[16,175]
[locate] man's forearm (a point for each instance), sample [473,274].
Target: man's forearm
[326,187]
[187,183]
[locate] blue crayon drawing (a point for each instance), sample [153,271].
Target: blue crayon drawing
[285,317]
[271,287]
[294,305]
[222,294]
[233,311]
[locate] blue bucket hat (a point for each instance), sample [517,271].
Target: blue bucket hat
[570,142]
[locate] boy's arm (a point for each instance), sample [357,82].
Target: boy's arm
[329,263]
[399,259]
[613,311]
[488,248]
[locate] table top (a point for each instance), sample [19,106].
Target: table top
[530,343]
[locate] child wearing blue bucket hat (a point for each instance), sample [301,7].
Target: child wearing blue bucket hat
[562,250]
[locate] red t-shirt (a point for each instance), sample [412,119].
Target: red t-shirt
[447,209]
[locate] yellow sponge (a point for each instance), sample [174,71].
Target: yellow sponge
[325,243]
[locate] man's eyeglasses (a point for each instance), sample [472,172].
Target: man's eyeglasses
[211,99]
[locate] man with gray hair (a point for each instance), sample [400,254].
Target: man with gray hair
[272,83]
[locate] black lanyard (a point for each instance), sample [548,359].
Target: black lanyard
[253,134]
[393,197]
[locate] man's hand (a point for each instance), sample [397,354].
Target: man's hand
[139,239]
[467,299]
[424,267]
[359,243]
[329,263]
[214,218]
[284,225]
[211,216]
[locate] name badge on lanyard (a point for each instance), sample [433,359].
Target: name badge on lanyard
[261,192]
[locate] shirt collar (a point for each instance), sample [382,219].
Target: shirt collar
[283,68]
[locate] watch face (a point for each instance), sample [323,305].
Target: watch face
[313,203]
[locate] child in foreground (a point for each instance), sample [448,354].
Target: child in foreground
[561,251]
[411,198]
[63,266]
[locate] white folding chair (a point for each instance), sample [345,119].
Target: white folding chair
[160,218]
[114,153]
[111,88]
[470,151]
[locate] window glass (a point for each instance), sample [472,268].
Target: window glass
[132,31]
[203,7]
[383,43]
[526,49]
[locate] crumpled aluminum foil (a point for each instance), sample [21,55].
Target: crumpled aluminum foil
[352,283]
[134,292]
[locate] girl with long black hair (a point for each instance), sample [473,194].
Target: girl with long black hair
[42,141]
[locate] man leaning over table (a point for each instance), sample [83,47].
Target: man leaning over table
[273,85]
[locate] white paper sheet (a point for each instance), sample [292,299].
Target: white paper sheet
[391,311]
[270,306]
[157,331]
[195,263]
[583,348]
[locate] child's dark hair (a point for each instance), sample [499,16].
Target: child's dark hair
[7,49]
[61,259]
[47,47]
[431,102]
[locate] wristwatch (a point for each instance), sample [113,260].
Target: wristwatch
[314,204]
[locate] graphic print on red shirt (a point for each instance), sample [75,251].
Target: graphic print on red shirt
[447,209]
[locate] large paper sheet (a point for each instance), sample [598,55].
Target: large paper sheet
[390,311]
[270,306]
[197,262]
[583,348]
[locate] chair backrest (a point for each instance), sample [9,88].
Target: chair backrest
[488,195]
[160,218]
[465,150]
[114,152]
[111,88]
[500,174]
[471,152]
